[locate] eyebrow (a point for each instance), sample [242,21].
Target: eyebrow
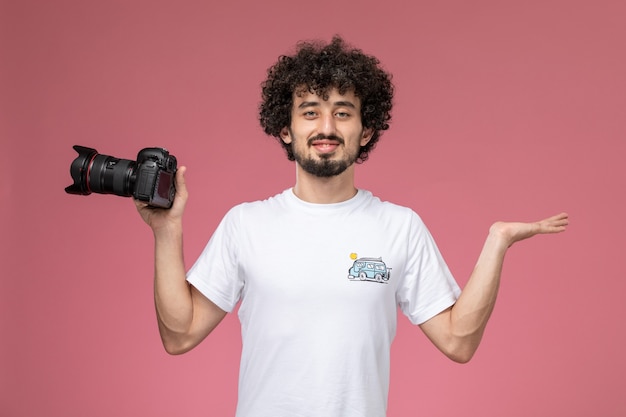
[306,104]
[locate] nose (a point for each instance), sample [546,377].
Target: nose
[327,125]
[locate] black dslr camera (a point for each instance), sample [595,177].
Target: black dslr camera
[150,179]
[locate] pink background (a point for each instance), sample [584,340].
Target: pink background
[504,110]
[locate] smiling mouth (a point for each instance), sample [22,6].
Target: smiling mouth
[325,146]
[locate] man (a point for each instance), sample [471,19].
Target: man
[321,268]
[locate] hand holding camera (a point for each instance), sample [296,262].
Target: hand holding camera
[161,219]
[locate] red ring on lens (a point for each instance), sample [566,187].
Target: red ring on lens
[88,175]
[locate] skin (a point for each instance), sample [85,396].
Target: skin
[340,117]
[186,317]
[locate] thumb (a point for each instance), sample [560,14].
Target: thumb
[181,186]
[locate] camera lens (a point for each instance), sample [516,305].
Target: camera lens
[109,175]
[102,174]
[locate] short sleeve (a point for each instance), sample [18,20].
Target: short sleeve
[216,273]
[428,287]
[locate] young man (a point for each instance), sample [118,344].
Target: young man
[321,268]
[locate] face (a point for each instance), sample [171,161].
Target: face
[326,135]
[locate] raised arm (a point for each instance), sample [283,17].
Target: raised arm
[185,317]
[458,330]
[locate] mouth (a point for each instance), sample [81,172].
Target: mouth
[325,145]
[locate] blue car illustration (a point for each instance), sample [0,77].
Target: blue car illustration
[369,269]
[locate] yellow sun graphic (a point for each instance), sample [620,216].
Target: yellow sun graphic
[353,256]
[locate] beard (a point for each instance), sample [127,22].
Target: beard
[325,167]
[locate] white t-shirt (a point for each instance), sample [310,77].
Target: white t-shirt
[319,286]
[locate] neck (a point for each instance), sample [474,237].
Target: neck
[329,190]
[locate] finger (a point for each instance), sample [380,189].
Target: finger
[139,204]
[181,185]
[181,191]
[560,219]
[555,224]
[560,216]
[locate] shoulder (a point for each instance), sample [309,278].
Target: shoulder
[258,208]
[390,209]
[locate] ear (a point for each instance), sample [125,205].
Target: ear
[366,136]
[285,136]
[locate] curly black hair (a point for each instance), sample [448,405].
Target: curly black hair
[318,68]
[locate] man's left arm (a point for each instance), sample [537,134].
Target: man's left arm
[458,330]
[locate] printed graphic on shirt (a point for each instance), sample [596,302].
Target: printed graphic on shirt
[368,269]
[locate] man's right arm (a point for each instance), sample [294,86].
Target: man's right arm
[185,316]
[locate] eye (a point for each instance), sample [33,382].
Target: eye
[342,115]
[309,114]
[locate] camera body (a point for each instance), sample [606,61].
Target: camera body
[154,182]
[149,179]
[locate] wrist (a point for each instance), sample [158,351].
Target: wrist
[500,236]
[168,230]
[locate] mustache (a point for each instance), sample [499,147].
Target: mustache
[327,137]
